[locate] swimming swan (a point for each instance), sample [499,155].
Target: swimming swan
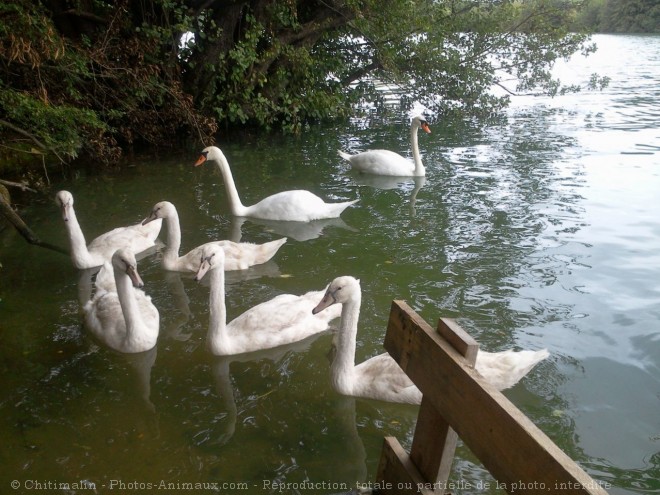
[380,377]
[385,162]
[282,320]
[238,255]
[137,237]
[297,205]
[126,320]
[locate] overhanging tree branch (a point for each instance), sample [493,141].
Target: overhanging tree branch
[13,218]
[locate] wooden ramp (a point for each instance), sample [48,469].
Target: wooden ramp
[458,402]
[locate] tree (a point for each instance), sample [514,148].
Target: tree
[104,75]
[94,79]
[631,16]
[620,16]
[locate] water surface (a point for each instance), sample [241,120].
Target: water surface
[539,232]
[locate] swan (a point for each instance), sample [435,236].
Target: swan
[125,320]
[297,205]
[282,320]
[385,162]
[137,238]
[238,255]
[380,377]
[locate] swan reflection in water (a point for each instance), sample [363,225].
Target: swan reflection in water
[387,183]
[221,373]
[339,422]
[299,231]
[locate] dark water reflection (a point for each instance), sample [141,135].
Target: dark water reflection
[539,232]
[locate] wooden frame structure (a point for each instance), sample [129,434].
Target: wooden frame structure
[457,401]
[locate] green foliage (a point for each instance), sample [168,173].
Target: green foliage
[108,75]
[62,129]
[94,83]
[280,65]
[621,16]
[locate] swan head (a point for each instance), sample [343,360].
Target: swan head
[420,121]
[160,210]
[339,291]
[124,261]
[64,199]
[210,153]
[212,258]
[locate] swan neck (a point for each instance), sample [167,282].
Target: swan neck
[217,337]
[171,253]
[128,302]
[344,363]
[419,167]
[235,204]
[79,252]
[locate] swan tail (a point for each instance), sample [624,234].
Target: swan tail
[505,369]
[528,360]
[269,249]
[337,208]
[344,155]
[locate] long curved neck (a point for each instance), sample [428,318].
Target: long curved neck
[218,337]
[79,252]
[235,204]
[344,363]
[171,254]
[128,303]
[419,167]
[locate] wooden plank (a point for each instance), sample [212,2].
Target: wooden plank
[519,455]
[433,446]
[434,441]
[397,475]
[459,339]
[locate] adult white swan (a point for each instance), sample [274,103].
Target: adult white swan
[297,205]
[126,320]
[238,255]
[380,377]
[282,320]
[137,238]
[385,162]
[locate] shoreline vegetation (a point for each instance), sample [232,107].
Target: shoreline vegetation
[94,84]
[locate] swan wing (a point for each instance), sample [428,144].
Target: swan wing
[238,255]
[242,255]
[137,238]
[297,205]
[381,162]
[105,320]
[381,378]
[282,320]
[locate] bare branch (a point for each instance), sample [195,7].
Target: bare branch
[30,136]
[13,218]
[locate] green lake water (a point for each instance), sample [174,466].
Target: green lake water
[540,232]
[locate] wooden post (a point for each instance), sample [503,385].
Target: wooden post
[434,441]
[519,456]
[427,468]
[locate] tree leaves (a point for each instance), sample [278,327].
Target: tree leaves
[109,75]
